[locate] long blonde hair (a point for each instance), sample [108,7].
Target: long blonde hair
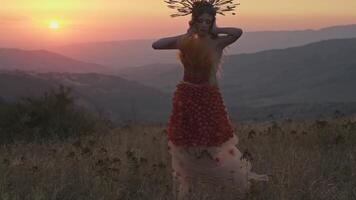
[195,53]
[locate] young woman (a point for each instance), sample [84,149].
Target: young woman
[201,138]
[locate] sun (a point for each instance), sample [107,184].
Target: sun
[53,24]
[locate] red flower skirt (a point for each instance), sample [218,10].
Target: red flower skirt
[202,143]
[199,116]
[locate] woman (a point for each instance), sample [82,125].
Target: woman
[201,138]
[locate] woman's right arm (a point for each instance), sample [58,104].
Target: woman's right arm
[171,42]
[166,43]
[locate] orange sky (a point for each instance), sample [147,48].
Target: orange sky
[24,23]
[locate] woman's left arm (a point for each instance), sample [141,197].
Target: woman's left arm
[232,35]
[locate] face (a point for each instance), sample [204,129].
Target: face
[204,23]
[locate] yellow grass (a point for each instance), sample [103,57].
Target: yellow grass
[306,160]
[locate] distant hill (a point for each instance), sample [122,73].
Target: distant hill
[298,82]
[44,61]
[14,85]
[135,53]
[252,42]
[318,72]
[118,98]
[31,73]
[321,74]
[160,76]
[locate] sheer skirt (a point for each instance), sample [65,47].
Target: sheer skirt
[211,171]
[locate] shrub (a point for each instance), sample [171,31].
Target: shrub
[52,115]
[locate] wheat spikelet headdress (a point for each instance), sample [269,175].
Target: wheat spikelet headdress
[185,7]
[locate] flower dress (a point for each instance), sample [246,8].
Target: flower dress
[201,138]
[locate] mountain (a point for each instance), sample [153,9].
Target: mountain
[253,42]
[315,75]
[119,99]
[317,72]
[118,54]
[135,53]
[44,61]
[299,82]
[160,76]
[16,84]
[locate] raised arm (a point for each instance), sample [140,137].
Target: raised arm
[232,34]
[166,43]
[171,42]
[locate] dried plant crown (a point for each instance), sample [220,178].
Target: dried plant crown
[185,7]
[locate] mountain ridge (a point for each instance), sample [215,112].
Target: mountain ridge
[123,54]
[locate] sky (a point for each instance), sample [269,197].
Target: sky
[40,23]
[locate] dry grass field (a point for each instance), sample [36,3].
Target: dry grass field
[313,160]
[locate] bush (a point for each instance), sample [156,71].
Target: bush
[53,115]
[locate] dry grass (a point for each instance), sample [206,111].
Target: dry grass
[306,160]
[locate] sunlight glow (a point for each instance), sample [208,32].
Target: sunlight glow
[53,24]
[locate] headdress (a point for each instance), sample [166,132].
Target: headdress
[185,7]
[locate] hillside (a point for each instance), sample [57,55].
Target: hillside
[118,98]
[135,53]
[44,61]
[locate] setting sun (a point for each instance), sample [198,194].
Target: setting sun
[35,22]
[53,24]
